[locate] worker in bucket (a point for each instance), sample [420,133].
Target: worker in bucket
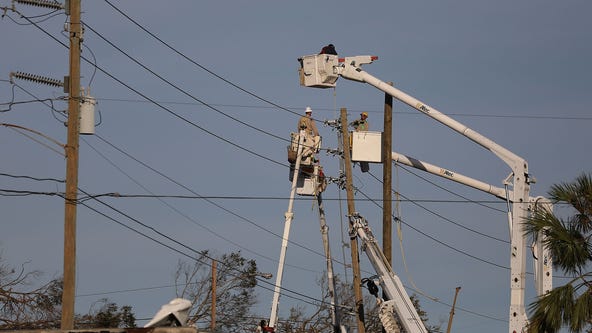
[312,138]
[362,123]
[307,123]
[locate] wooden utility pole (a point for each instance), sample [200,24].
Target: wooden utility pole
[67,322]
[387,169]
[452,310]
[214,278]
[357,281]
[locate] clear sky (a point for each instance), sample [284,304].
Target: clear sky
[226,101]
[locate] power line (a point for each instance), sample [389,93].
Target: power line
[197,64]
[33,178]
[192,220]
[208,200]
[443,217]
[85,59]
[449,191]
[188,121]
[179,243]
[354,110]
[439,241]
[161,106]
[179,89]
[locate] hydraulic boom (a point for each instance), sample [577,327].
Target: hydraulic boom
[323,70]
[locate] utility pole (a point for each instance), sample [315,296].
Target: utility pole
[387,169]
[214,278]
[72,168]
[452,310]
[357,281]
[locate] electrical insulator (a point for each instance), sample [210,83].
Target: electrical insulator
[42,3]
[37,78]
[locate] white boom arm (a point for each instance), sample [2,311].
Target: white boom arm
[289,215]
[454,176]
[543,265]
[350,69]
[389,281]
[322,71]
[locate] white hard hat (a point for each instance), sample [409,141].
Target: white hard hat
[308,109]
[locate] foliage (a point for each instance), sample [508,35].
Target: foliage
[109,315]
[424,316]
[569,243]
[236,279]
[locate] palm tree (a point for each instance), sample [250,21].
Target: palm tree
[569,242]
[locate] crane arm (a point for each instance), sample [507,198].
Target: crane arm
[448,174]
[389,281]
[350,68]
[323,70]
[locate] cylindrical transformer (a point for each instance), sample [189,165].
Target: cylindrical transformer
[87,115]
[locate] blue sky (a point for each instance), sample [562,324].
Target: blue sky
[516,72]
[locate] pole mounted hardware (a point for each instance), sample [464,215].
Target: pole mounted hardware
[36,78]
[42,3]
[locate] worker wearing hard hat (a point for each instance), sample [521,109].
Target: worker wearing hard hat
[362,123]
[312,139]
[307,123]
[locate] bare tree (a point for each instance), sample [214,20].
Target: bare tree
[319,319]
[24,308]
[236,279]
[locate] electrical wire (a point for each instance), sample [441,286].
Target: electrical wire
[542,117]
[266,198]
[192,220]
[302,297]
[305,298]
[180,89]
[20,193]
[207,200]
[22,130]
[449,191]
[49,16]
[443,217]
[260,156]
[439,241]
[33,178]
[197,64]
[184,119]
[165,108]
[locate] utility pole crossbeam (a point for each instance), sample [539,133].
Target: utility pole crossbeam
[72,145]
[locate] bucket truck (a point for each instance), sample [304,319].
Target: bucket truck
[307,180]
[323,70]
